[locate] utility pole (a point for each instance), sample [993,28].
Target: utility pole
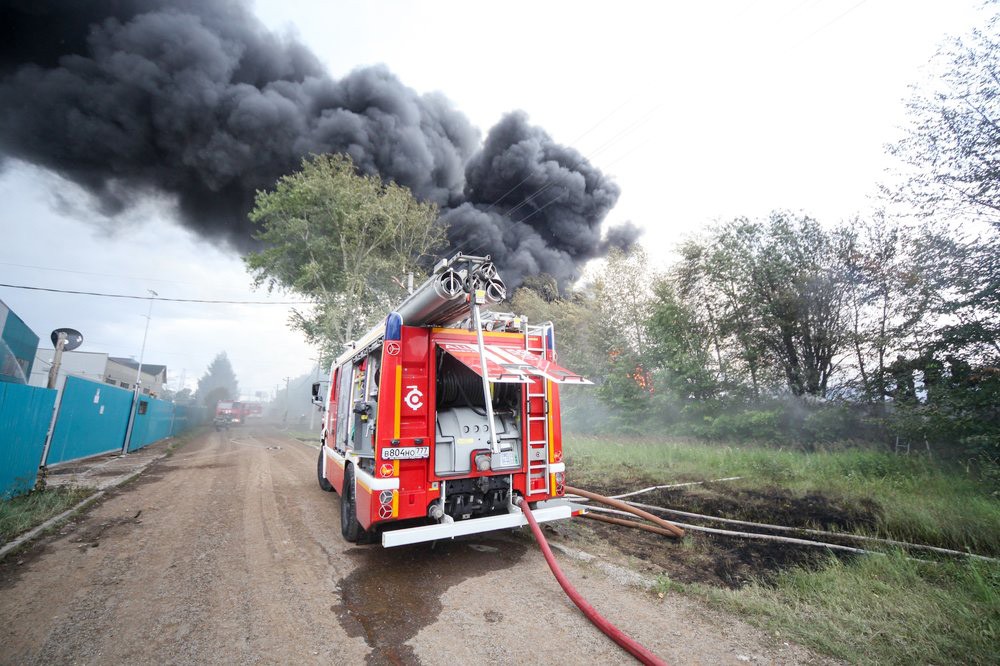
[138,377]
[57,360]
[142,351]
[284,419]
[312,412]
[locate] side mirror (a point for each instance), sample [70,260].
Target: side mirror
[315,390]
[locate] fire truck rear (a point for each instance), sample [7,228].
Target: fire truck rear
[444,413]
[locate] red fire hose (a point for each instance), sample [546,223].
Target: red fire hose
[613,632]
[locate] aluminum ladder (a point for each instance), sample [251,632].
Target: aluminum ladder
[537,407]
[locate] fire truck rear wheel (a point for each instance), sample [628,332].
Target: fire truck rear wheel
[350,528]
[324,485]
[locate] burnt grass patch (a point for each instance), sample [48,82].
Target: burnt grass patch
[723,560]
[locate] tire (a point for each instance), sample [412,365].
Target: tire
[324,485]
[350,528]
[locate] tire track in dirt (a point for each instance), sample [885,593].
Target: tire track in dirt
[229,553]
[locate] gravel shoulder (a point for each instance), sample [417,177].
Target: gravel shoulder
[228,552]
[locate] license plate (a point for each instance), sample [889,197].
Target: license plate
[406,453]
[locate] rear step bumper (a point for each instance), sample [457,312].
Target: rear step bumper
[545,512]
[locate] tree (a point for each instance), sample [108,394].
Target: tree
[680,347]
[339,238]
[888,298]
[773,290]
[218,382]
[965,293]
[622,294]
[952,148]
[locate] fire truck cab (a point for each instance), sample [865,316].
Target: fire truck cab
[228,412]
[442,413]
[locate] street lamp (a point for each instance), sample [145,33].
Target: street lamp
[142,352]
[138,378]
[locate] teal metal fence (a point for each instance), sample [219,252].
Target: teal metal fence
[188,416]
[25,414]
[92,420]
[153,421]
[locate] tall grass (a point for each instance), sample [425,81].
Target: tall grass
[24,512]
[880,609]
[920,499]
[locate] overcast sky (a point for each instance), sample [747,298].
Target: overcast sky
[701,111]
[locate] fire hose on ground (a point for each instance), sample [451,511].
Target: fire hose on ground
[666,525]
[614,633]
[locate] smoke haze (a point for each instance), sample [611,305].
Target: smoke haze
[197,100]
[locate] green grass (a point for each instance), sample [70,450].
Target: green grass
[20,514]
[920,500]
[878,610]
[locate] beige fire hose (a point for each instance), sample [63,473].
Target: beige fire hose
[630,523]
[618,504]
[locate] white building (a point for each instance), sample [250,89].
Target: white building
[89,365]
[99,367]
[122,371]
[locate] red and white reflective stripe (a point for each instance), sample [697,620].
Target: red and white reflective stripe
[498,368]
[538,365]
[510,364]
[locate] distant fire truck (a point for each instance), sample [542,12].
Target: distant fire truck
[228,413]
[441,414]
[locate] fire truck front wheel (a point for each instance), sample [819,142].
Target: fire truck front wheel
[324,485]
[350,528]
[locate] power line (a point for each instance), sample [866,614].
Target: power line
[828,23]
[155,298]
[66,270]
[588,131]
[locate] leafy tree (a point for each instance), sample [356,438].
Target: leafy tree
[888,299]
[952,148]
[965,293]
[578,346]
[575,319]
[710,279]
[680,347]
[622,294]
[339,238]
[773,289]
[218,382]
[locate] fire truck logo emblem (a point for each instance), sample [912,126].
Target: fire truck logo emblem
[413,398]
[392,348]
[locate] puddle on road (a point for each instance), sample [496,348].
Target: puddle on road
[396,592]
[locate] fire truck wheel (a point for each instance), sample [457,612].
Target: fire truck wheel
[350,528]
[324,485]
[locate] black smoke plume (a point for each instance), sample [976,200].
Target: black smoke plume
[198,100]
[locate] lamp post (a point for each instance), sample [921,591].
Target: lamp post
[138,378]
[142,351]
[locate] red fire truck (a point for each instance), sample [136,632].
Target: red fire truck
[443,413]
[228,412]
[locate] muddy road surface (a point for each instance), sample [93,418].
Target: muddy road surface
[228,552]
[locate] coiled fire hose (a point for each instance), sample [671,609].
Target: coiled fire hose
[614,633]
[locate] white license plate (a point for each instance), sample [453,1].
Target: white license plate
[406,453]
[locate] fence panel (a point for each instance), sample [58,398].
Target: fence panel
[152,422]
[92,420]
[25,414]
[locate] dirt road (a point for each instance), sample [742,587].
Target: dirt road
[228,552]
